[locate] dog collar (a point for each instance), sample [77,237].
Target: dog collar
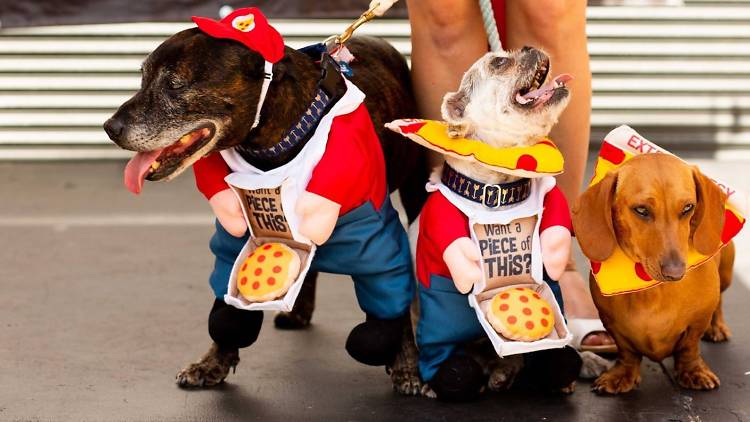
[538,160]
[325,96]
[619,274]
[298,132]
[491,196]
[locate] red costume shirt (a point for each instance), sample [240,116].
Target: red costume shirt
[441,223]
[350,173]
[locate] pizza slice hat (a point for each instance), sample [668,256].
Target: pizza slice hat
[249,27]
[619,274]
[540,159]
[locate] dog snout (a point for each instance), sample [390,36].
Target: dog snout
[114,127]
[673,267]
[526,49]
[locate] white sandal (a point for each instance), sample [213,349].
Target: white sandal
[582,327]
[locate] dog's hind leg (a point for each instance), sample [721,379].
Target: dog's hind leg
[210,370]
[718,330]
[404,371]
[302,311]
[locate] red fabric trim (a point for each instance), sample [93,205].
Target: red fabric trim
[210,172]
[556,211]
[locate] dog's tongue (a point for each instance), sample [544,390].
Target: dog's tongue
[544,92]
[137,168]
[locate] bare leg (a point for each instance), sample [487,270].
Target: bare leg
[447,38]
[559,27]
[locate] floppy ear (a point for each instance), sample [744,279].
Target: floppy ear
[452,109]
[708,219]
[592,219]
[279,70]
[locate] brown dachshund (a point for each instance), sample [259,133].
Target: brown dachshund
[654,207]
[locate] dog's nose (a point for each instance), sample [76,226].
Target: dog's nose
[114,128]
[673,268]
[526,49]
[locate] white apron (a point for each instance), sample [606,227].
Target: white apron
[269,200]
[508,241]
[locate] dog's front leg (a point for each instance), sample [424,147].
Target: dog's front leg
[302,311]
[210,370]
[404,371]
[623,377]
[692,371]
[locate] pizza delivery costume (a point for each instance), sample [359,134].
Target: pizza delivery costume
[342,161]
[460,206]
[619,274]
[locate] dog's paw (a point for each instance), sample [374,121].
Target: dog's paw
[504,373]
[717,332]
[570,389]
[594,365]
[291,320]
[698,378]
[210,370]
[619,379]
[428,392]
[406,381]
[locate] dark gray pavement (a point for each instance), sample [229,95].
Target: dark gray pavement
[103,298]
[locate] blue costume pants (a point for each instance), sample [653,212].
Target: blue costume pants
[447,321]
[368,244]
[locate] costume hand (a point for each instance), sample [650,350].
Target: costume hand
[556,243]
[228,211]
[463,260]
[317,217]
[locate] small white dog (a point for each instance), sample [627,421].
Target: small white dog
[504,100]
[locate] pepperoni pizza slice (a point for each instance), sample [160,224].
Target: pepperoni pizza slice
[268,272]
[521,314]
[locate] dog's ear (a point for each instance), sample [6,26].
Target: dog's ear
[708,219]
[279,70]
[452,109]
[592,219]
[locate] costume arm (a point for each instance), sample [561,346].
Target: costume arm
[210,172]
[448,227]
[555,233]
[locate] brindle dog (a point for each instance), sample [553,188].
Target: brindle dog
[193,82]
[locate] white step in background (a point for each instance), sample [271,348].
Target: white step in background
[679,75]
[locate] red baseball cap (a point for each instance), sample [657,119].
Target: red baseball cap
[248,26]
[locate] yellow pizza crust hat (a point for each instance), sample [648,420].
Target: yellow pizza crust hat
[619,274]
[540,159]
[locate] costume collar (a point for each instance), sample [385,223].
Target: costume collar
[491,196]
[619,274]
[538,160]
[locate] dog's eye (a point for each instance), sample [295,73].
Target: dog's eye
[175,84]
[498,62]
[642,212]
[686,210]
